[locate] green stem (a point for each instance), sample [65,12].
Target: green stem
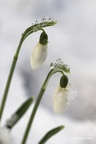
[24,36]
[43,88]
[9,79]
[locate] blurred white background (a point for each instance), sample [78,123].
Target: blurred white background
[73,40]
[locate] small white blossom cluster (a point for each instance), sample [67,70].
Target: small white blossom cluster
[5,137]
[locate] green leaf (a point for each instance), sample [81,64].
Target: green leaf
[50,134]
[19,113]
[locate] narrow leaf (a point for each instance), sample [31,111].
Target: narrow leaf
[50,134]
[19,113]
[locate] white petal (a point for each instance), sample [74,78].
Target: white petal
[38,56]
[60,99]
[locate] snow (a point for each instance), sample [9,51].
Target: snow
[73,40]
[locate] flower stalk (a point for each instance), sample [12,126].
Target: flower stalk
[34,28]
[58,68]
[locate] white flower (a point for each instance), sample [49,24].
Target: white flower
[5,137]
[60,99]
[38,56]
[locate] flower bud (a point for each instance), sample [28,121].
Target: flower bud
[39,53]
[60,99]
[64,81]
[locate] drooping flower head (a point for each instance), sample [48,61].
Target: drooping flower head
[39,53]
[60,96]
[60,99]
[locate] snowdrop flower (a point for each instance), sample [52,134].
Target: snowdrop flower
[39,53]
[5,135]
[60,97]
